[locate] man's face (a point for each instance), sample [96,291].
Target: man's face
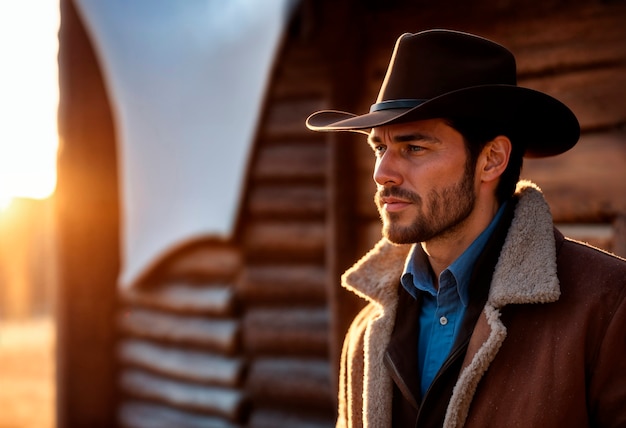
[425,185]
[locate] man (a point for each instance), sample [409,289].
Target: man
[480,313]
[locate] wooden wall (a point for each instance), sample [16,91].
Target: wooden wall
[575,52]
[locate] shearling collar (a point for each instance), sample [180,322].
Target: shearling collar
[525,272]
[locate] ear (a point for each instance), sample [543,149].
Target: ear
[494,158]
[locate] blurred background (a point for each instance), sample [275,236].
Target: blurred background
[29,95]
[172,237]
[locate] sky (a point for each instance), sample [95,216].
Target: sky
[28,98]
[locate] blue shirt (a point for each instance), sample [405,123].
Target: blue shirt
[442,309]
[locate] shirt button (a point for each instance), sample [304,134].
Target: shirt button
[443,320]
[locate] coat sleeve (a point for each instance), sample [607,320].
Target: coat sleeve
[607,388]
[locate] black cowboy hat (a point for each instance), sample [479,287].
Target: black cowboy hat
[450,74]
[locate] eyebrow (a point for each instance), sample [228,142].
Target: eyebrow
[405,138]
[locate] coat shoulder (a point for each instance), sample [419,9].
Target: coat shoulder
[585,257]
[590,269]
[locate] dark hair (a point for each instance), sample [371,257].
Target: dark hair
[477,133]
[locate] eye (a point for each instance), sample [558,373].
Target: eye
[414,149]
[379,149]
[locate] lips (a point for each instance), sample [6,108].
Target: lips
[395,199]
[392,204]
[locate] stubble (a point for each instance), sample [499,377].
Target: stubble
[447,209]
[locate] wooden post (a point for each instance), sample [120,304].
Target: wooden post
[87,221]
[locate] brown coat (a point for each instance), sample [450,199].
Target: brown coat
[548,350]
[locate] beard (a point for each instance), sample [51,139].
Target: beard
[447,209]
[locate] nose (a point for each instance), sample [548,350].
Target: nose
[387,171]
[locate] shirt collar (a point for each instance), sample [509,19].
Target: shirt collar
[417,275]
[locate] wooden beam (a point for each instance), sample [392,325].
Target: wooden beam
[216,261]
[291,240]
[291,161]
[286,331]
[186,364]
[291,200]
[574,37]
[292,381]
[596,96]
[217,401]
[586,184]
[207,299]
[274,284]
[295,418]
[286,117]
[138,414]
[216,334]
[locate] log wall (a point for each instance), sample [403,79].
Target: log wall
[286,321]
[180,351]
[574,52]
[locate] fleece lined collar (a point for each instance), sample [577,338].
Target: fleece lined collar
[525,272]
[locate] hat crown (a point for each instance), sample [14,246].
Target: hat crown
[431,63]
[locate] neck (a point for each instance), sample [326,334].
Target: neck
[444,249]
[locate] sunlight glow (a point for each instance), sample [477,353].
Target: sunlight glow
[29,97]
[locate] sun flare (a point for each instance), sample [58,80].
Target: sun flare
[28,104]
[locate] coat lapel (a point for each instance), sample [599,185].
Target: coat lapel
[375,278]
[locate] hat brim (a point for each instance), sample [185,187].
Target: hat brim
[545,125]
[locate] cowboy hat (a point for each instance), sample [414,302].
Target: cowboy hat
[450,74]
